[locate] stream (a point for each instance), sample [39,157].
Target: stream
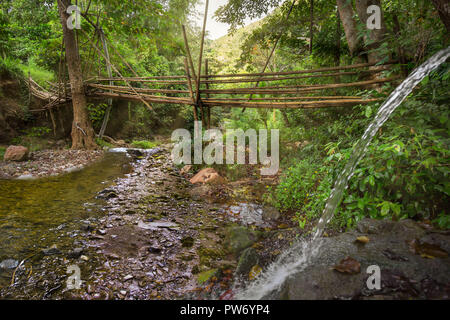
[35,214]
[129,222]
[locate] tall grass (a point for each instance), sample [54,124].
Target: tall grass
[38,74]
[10,67]
[17,70]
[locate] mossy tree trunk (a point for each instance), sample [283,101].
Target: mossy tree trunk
[83,135]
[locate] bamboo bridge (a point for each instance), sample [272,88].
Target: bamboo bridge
[160,89]
[307,89]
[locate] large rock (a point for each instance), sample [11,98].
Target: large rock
[239,238]
[404,274]
[208,175]
[248,259]
[16,153]
[9,264]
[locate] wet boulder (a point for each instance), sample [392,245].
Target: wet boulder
[75,253]
[16,153]
[53,250]
[248,259]
[403,272]
[239,238]
[9,264]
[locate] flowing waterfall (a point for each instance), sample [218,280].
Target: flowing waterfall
[298,257]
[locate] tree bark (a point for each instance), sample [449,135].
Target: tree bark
[443,8]
[83,136]
[376,36]
[346,13]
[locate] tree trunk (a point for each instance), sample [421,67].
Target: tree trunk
[443,8]
[346,13]
[375,36]
[83,136]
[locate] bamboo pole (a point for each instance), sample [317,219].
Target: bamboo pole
[157,82]
[287,98]
[52,117]
[270,77]
[154,99]
[290,105]
[127,92]
[188,51]
[354,66]
[197,98]
[141,90]
[207,95]
[296,89]
[111,83]
[191,92]
[142,78]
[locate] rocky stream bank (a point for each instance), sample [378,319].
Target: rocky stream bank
[161,237]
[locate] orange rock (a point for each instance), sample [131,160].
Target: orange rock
[208,175]
[186,169]
[16,153]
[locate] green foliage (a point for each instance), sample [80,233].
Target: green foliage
[404,173]
[144,144]
[9,68]
[37,132]
[37,73]
[34,139]
[304,188]
[2,152]
[97,113]
[443,221]
[103,144]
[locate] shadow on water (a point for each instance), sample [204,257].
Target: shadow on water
[35,213]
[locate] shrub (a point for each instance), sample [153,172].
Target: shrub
[144,144]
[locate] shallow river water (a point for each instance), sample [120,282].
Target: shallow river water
[31,211]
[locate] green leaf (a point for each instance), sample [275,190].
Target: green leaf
[385,207]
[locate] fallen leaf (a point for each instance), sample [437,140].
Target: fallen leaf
[363,239]
[348,265]
[254,272]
